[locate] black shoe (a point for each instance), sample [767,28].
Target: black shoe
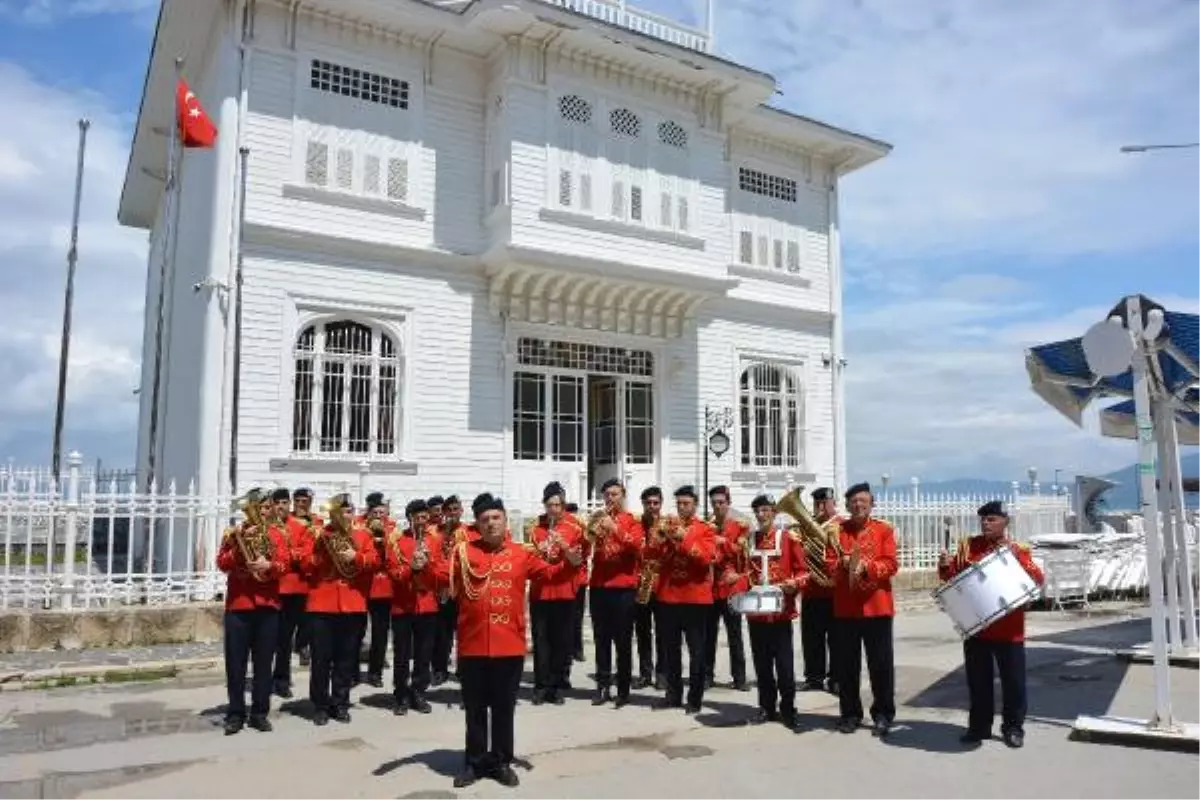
[438,679]
[848,725]
[261,723]
[641,682]
[1014,739]
[762,716]
[538,697]
[505,776]
[465,778]
[556,699]
[692,708]
[341,715]
[622,700]
[881,728]
[234,725]
[741,686]
[971,737]
[375,680]
[603,695]
[320,719]
[789,720]
[421,705]
[811,686]
[400,708]
[660,682]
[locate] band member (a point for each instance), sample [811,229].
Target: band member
[340,562]
[433,509]
[862,565]
[552,600]
[1002,642]
[651,662]
[730,542]
[449,532]
[817,630]
[616,545]
[771,634]
[379,602]
[253,554]
[487,575]
[686,550]
[581,581]
[414,560]
[293,591]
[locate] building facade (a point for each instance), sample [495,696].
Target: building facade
[484,245]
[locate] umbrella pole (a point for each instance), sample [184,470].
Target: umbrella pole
[1148,505]
[1177,519]
[1161,416]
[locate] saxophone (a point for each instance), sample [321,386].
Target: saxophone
[337,537]
[651,567]
[251,536]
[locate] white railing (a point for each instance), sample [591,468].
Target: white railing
[616,12]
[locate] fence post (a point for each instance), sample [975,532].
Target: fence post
[74,460]
[364,469]
[916,490]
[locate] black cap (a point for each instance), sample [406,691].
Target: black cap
[651,491]
[452,500]
[281,494]
[858,488]
[375,500]
[686,491]
[762,500]
[995,508]
[604,487]
[822,494]
[436,500]
[572,508]
[553,489]
[486,502]
[716,490]
[415,507]
[303,491]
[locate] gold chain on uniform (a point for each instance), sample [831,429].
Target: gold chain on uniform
[464,566]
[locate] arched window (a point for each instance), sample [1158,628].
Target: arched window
[769,402]
[346,391]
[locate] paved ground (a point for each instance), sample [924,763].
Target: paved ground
[161,739]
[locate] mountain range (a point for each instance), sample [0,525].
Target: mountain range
[1122,497]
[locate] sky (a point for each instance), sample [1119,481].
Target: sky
[1005,216]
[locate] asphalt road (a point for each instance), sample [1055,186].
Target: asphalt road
[163,739]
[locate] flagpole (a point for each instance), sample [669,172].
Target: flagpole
[243,159]
[68,301]
[165,257]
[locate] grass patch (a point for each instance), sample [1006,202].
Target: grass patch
[38,556]
[137,676]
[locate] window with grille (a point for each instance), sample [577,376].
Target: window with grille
[672,134]
[564,187]
[639,423]
[359,84]
[635,203]
[625,123]
[583,357]
[346,390]
[793,256]
[763,183]
[746,247]
[770,417]
[529,416]
[574,108]
[683,214]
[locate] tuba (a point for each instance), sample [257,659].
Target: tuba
[813,536]
[253,541]
[337,536]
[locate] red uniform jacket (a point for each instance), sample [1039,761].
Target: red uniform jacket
[872,596]
[686,571]
[616,560]
[329,592]
[785,570]
[1010,628]
[730,554]
[490,588]
[564,583]
[413,591]
[297,532]
[812,588]
[244,592]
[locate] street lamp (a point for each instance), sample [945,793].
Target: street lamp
[884,480]
[1057,470]
[716,441]
[1143,148]
[1032,472]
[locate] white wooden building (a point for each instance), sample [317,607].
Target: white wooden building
[486,244]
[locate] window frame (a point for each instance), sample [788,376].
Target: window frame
[748,459]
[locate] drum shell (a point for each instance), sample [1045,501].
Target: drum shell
[757,601]
[986,591]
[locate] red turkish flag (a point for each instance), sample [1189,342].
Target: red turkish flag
[196,129]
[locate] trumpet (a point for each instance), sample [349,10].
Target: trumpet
[253,541]
[600,525]
[339,538]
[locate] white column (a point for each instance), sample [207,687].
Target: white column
[710,24]
[837,351]
[1149,510]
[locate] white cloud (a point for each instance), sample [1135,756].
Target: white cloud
[44,12]
[36,199]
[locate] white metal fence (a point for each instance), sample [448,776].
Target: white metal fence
[85,542]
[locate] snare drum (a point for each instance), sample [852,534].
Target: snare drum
[991,588]
[759,600]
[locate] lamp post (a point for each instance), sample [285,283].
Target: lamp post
[716,441]
[1032,472]
[884,480]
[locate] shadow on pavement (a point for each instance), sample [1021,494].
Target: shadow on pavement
[441,761]
[925,735]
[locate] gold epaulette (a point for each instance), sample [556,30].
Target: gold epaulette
[228,532]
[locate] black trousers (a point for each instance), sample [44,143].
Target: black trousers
[250,635]
[489,686]
[1009,657]
[580,609]
[380,613]
[293,636]
[443,637]
[612,627]
[774,664]
[335,645]
[874,634]
[817,638]
[649,640]
[412,640]
[679,622]
[733,632]
[553,629]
